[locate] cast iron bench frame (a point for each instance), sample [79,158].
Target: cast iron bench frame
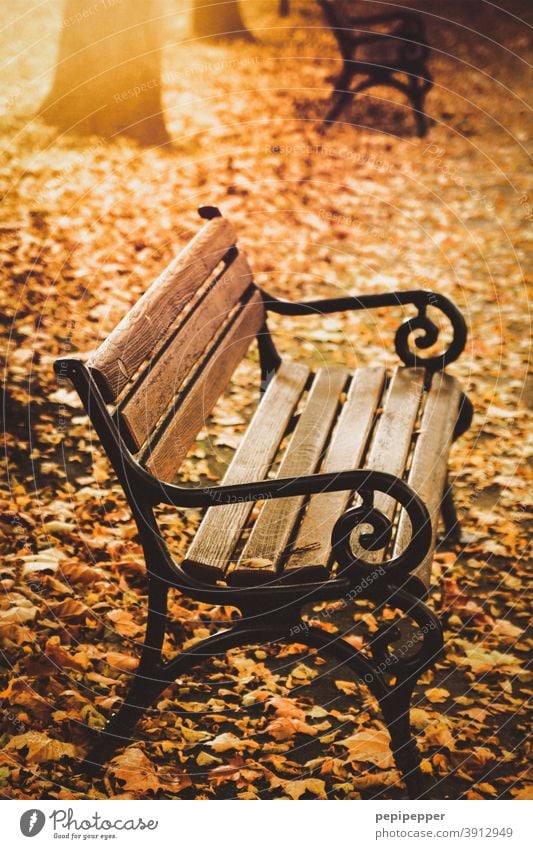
[405,31]
[273,612]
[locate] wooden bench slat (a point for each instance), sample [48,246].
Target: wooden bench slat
[311,551]
[146,324]
[221,527]
[271,532]
[429,464]
[154,392]
[393,438]
[169,448]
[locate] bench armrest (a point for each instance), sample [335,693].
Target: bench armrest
[428,332]
[362,481]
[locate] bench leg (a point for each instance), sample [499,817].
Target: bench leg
[147,684]
[342,87]
[396,709]
[153,676]
[395,700]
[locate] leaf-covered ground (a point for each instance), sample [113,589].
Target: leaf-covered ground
[366,207]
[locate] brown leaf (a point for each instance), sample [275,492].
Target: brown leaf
[133,769]
[62,658]
[17,610]
[124,623]
[123,662]
[70,610]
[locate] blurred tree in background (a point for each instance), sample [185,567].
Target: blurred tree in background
[108,72]
[220,19]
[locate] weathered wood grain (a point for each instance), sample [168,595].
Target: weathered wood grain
[145,326]
[271,532]
[165,455]
[222,526]
[311,551]
[429,463]
[150,398]
[392,439]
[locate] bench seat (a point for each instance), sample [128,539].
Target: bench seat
[391,423]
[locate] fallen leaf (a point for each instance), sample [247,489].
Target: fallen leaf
[40,747]
[436,694]
[369,747]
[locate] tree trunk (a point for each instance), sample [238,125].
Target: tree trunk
[108,73]
[219,19]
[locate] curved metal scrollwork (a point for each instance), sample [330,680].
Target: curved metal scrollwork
[397,567]
[430,333]
[427,640]
[426,329]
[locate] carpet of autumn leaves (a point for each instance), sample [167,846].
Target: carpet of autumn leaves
[365,207]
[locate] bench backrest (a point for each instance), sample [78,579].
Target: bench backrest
[171,357]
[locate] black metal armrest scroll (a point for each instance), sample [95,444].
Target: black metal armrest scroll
[393,570]
[413,336]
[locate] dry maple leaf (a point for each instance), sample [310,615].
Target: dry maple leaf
[436,694]
[438,734]
[136,773]
[123,662]
[525,793]
[371,780]
[504,628]
[41,747]
[296,789]
[286,707]
[20,692]
[62,658]
[303,672]
[480,660]
[17,610]
[369,747]
[227,741]
[475,714]
[71,610]
[349,688]
[124,623]
[285,727]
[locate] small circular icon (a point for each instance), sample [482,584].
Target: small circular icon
[32,822]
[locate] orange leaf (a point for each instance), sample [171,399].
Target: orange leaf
[369,747]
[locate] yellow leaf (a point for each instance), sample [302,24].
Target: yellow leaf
[525,793]
[438,734]
[192,736]
[296,789]
[225,742]
[302,672]
[437,694]
[346,687]
[487,788]
[40,747]
[205,759]
[124,623]
[369,747]
[284,727]
[135,771]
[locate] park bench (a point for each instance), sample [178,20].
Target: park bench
[327,454]
[387,49]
